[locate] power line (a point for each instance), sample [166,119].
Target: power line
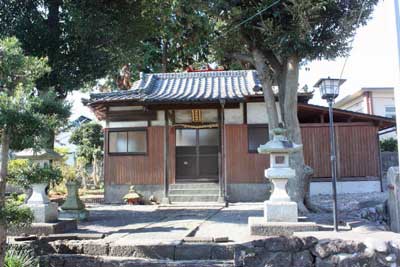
[351,42]
[248,19]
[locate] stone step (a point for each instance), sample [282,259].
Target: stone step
[202,191]
[193,198]
[67,260]
[185,205]
[214,186]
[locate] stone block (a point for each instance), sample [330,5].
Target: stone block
[79,215]
[222,252]
[302,259]
[285,243]
[281,211]
[97,248]
[58,227]
[265,259]
[44,213]
[142,251]
[193,252]
[258,226]
[327,248]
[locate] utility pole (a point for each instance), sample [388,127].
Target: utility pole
[397,86]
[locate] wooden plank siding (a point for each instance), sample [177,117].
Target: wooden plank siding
[357,149]
[141,169]
[242,166]
[357,152]
[357,155]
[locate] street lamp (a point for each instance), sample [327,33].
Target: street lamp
[329,89]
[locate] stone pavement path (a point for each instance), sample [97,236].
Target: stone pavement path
[154,225]
[144,224]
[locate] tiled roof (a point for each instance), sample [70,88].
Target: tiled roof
[183,87]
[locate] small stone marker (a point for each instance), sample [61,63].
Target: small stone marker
[280,213]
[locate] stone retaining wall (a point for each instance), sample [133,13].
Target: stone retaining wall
[270,251]
[304,252]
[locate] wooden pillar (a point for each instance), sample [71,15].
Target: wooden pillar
[222,179]
[165,200]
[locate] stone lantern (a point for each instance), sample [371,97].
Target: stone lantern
[279,208]
[43,209]
[280,213]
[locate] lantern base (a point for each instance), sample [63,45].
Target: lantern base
[280,211]
[258,226]
[79,215]
[44,213]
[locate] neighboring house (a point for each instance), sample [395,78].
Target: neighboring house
[372,100]
[193,136]
[62,139]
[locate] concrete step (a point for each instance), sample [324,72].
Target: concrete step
[213,186]
[193,198]
[202,191]
[67,260]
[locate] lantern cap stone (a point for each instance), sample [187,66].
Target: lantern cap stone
[279,143]
[41,154]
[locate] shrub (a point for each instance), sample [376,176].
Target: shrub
[16,215]
[68,173]
[25,173]
[18,257]
[389,145]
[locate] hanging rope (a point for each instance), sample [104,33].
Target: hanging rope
[203,126]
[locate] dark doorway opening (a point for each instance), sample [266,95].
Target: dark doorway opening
[197,155]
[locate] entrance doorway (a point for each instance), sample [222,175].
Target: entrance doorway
[197,155]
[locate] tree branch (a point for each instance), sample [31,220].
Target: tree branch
[241,57]
[276,65]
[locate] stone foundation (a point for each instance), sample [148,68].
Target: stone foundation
[243,192]
[114,193]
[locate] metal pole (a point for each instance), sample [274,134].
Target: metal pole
[397,88]
[333,164]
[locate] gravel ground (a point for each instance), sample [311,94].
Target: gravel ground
[350,207]
[350,202]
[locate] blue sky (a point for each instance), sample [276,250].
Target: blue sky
[372,61]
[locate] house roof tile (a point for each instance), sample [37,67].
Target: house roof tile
[209,86]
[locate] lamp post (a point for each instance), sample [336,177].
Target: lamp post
[329,89]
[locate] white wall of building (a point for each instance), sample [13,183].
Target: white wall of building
[381,100]
[234,115]
[317,188]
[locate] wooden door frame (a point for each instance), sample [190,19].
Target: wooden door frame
[198,178]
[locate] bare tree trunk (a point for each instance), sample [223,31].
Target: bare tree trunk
[94,171]
[5,146]
[281,78]
[297,187]
[269,97]
[164,59]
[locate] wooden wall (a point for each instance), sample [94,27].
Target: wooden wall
[242,167]
[357,152]
[141,169]
[357,149]
[357,155]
